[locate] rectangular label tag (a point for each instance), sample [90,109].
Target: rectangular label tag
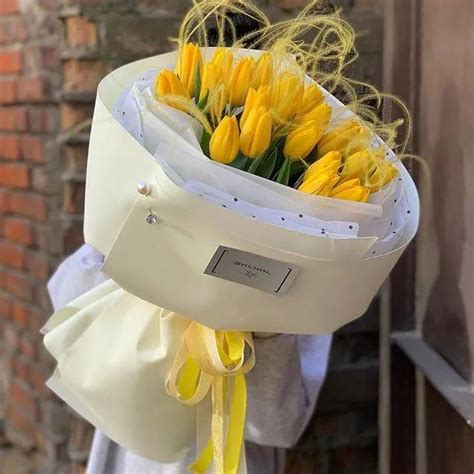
[252,270]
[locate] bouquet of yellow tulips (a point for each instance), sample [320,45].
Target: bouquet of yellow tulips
[230,192]
[272,123]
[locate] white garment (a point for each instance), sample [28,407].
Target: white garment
[282,388]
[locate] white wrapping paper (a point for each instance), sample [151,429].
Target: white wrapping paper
[165,263]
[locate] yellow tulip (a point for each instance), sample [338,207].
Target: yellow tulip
[189,60]
[328,164]
[320,114]
[351,190]
[287,94]
[256,133]
[240,80]
[301,141]
[263,71]
[209,79]
[320,185]
[358,165]
[167,83]
[384,173]
[224,143]
[347,138]
[222,60]
[255,99]
[312,97]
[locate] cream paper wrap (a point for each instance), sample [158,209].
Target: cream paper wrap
[113,353]
[114,346]
[164,263]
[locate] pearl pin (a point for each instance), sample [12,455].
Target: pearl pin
[143,188]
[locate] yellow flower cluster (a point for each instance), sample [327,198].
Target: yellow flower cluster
[271,122]
[346,167]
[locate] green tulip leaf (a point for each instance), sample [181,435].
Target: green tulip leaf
[255,164]
[197,82]
[206,138]
[240,162]
[268,164]
[203,102]
[283,175]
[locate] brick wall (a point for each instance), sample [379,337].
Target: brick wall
[29,193]
[52,55]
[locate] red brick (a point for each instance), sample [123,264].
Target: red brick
[28,204]
[36,320]
[19,367]
[14,175]
[11,337]
[49,4]
[49,58]
[19,313]
[37,377]
[10,147]
[11,62]
[20,286]
[32,148]
[28,347]
[43,119]
[12,30]
[21,423]
[76,156]
[5,307]
[31,89]
[3,201]
[37,265]
[8,7]
[13,118]
[19,230]
[83,75]
[80,31]
[8,91]
[12,255]
[73,115]
[40,181]
[74,195]
[3,279]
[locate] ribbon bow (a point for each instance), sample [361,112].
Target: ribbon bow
[216,361]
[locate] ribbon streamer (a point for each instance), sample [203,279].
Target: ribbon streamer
[215,361]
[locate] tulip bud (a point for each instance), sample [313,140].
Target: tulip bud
[319,185]
[188,63]
[347,138]
[351,190]
[263,71]
[358,165]
[256,133]
[287,94]
[384,173]
[167,84]
[222,60]
[240,80]
[329,164]
[255,99]
[301,141]
[320,114]
[312,97]
[224,143]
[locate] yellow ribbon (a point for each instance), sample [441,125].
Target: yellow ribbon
[215,361]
